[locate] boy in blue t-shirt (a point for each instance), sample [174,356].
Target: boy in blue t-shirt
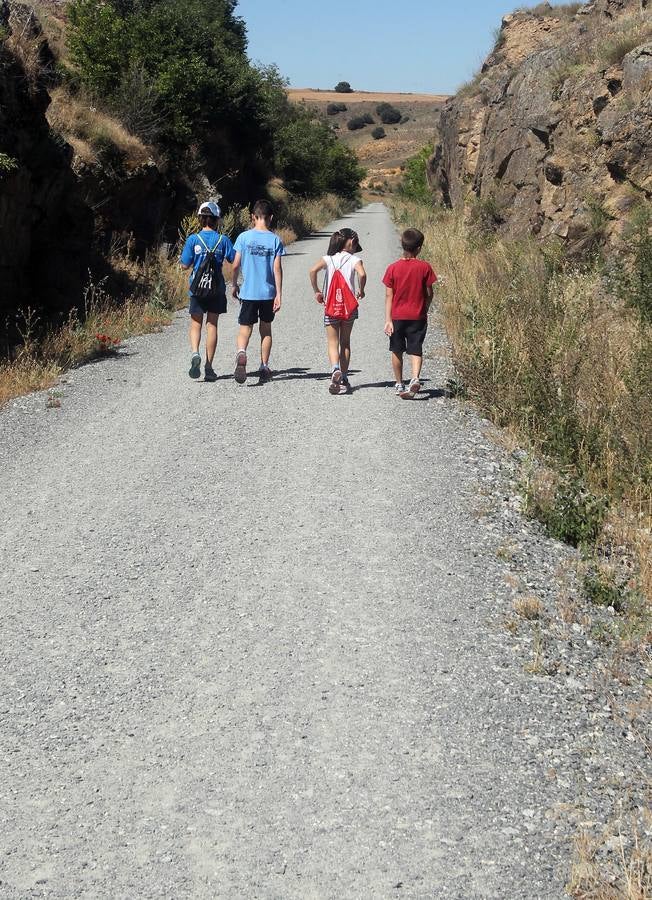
[192,256]
[258,253]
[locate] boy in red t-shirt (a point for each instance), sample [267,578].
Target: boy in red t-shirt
[408,295]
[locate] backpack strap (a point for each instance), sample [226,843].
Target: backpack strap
[210,250]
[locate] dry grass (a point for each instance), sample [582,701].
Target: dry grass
[546,351]
[530,608]
[312,95]
[624,874]
[159,289]
[92,132]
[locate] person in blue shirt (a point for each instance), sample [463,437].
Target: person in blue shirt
[192,256]
[258,253]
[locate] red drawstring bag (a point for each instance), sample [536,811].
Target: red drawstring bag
[340,300]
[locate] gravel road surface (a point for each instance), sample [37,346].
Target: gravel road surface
[248,638]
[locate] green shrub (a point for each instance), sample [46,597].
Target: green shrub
[573,514]
[414,184]
[388,114]
[356,123]
[7,164]
[343,87]
[334,108]
[603,590]
[312,161]
[378,133]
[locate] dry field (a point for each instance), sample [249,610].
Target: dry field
[381,158]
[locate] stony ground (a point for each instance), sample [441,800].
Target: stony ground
[254,638]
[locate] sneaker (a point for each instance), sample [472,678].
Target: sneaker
[414,386]
[336,381]
[240,373]
[195,366]
[209,373]
[264,373]
[399,390]
[345,386]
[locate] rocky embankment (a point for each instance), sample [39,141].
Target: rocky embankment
[46,224]
[74,183]
[554,135]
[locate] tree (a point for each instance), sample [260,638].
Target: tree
[343,87]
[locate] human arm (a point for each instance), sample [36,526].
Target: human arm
[389,325]
[362,280]
[235,290]
[318,267]
[278,281]
[187,257]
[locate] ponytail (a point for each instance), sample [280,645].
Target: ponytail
[337,243]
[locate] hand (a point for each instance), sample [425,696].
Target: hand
[277,304]
[319,297]
[235,291]
[389,328]
[359,295]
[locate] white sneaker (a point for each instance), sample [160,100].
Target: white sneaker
[399,389]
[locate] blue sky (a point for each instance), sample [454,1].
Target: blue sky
[429,46]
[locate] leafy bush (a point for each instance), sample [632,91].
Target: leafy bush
[334,108]
[356,123]
[389,115]
[312,161]
[343,87]
[186,60]
[378,133]
[572,513]
[602,589]
[414,184]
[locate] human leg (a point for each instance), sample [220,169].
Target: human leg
[333,344]
[211,336]
[345,345]
[196,320]
[265,342]
[397,367]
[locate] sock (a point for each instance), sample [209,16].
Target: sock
[335,369]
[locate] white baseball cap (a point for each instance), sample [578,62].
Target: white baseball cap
[210,208]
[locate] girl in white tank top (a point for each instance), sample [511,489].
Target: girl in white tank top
[340,256]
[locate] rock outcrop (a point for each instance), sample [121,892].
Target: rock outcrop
[45,224]
[554,136]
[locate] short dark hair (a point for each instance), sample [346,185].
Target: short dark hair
[263,208]
[207,221]
[338,240]
[412,240]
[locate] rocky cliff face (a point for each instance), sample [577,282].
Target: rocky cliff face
[62,206]
[554,136]
[45,224]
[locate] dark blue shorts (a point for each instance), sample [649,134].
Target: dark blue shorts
[251,310]
[216,304]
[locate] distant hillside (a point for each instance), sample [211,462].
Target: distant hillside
[382,158]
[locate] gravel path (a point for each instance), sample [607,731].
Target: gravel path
[250,637]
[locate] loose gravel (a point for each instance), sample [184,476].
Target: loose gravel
[254,642]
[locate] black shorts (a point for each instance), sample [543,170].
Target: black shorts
[409,334]
[250,310]
[198,307]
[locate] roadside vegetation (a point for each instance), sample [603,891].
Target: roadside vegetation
[559,353]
